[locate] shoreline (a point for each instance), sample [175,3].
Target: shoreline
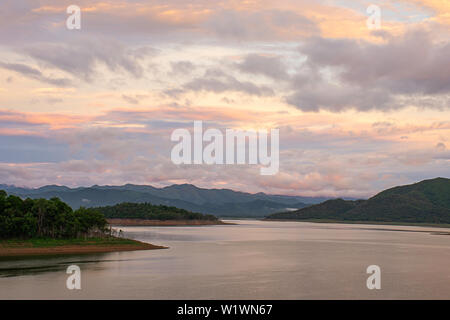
[392,223]
[165,223]
[25,248]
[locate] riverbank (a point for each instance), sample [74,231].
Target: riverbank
[31,247]
[165,223]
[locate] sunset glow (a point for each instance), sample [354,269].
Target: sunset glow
[358,110]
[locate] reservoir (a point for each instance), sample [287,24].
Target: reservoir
[250,260]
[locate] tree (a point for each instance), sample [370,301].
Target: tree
[46,218]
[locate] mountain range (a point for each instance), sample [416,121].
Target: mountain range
[220,202]
[427,201]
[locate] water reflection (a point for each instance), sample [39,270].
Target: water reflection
[252,260]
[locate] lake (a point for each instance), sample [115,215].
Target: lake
[251,260]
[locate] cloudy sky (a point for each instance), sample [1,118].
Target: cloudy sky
[358,109]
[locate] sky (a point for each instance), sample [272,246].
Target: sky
[358,109]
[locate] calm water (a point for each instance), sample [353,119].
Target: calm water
[255,259]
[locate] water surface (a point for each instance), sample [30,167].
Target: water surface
[252,260]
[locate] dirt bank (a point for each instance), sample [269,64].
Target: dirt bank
[27,250]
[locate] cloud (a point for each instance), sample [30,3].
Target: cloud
[81,58]
[347,159]
[182,67]
[35,74]
[411,63]
[250,58]
[441,146]
[130,99]
[326,96]
[261,24]
[440,9]
[269,66]
[364,76]
[217,81]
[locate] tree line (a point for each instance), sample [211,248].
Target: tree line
[128,210]
[53,218]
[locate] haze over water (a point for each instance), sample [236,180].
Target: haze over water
[251,260]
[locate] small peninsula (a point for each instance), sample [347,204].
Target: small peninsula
[146,214]
[47,227]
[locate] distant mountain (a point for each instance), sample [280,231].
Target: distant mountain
[427,201]
[220,202]
[18,190]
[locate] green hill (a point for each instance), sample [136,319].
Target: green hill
[325,210]
[148,211]
[427,201]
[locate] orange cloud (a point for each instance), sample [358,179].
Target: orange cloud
[332,20]
[54,121]
[441,8]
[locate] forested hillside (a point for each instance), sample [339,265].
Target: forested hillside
[52,218]
[148,211]
[427,201]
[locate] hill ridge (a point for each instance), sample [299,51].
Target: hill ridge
[427,201]
[221,202]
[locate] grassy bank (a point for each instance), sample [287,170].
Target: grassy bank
[49,246]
